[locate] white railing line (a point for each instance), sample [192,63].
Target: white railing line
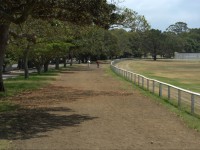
[178,88]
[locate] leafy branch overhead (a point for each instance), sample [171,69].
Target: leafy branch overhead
[75,11]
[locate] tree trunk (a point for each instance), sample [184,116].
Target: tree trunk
[19,65]
[65,62]
[57,63]
[71,61]
[154,57]
[26,53]
[71,58]
[4,68]
[46,66]
[4,30]
[39,68]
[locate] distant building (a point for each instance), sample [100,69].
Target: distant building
[192,56]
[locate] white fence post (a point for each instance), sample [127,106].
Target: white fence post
[138,80]
[192,103]
[169,93]
[179,98]
[153,88]
[134,78]
[160,89]
[131,77]
[143,82]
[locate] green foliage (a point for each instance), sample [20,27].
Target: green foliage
[152,42]
[178,28]
[123,41]
[135,43]
[192,41]
[76,11]
[131,20]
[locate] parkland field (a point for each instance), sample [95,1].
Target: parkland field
[184,74]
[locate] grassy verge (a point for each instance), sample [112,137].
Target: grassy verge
[19,84]
[120,78]
[190,120]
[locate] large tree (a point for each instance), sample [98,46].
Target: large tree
[152,41]
[123,41]
[132,20]
[76,11]
[178,28]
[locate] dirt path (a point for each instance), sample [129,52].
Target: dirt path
[89,109]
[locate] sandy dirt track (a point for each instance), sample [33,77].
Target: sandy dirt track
[89,109]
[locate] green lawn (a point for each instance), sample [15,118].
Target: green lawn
[184,74]
[16,85]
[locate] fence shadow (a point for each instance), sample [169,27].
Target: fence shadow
[28,123]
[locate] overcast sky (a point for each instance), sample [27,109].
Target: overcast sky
[162,13]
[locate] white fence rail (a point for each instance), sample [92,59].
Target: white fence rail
[188,100]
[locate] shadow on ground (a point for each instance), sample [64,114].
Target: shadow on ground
[77,68]
[29,123]
[39,116]
[58,94]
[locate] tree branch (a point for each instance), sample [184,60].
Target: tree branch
[23,15]
[29,37]
[6,16]
[26,12]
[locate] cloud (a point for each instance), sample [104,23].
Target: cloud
[162,13]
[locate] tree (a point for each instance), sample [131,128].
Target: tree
[135,44]
[90,43]
[131,20]
[192,41]
[171,43]
[178,28]
[111,45]
[123,39]
[152,42]
[27,33]
[76,11]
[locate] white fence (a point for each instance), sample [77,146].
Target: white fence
[184,99]
[187,56]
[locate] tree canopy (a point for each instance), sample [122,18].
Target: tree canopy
[84,12]
[178,28]
[75,11]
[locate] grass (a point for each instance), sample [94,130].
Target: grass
[192,121]
[19,84]
[4,144]
[124,80]
[6,106]
[184,74]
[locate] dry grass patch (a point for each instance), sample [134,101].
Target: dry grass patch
[184,74]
